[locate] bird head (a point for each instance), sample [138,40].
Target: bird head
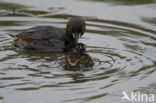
[80,49]
[75,28]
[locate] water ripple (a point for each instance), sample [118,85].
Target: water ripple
[124,54]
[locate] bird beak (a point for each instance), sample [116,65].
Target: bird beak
[76,37]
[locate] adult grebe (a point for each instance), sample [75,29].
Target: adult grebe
[49,38]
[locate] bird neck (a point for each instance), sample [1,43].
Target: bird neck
[68,31]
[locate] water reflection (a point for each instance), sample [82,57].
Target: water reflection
[149,20]
[12,9]
[127,2]
[9,6]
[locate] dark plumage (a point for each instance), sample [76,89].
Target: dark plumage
[78,60]
[49,38]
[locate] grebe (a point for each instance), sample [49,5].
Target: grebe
[78,60]
[49,38]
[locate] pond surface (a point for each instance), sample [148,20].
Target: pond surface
[120,37]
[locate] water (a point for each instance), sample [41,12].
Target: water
[120,37]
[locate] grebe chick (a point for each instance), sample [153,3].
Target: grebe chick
[78,60]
